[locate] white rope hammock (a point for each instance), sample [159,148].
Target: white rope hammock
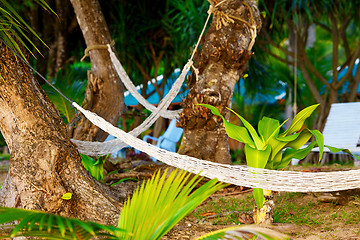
[289,181]
[132,89]
[103,148]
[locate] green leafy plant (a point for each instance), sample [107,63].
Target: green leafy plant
[155,208]
[264,149]
[50,226]
[95,167]
[270,149]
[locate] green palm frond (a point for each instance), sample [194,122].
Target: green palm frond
[159,204]
[14,30]
[71,82]
[49,226]
[244,232]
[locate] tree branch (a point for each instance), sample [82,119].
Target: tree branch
[323,26]
[311,84]
[309,65]
[272,43]
[355,84]
[335,46]
[276,56]
[351,66]
[343,36]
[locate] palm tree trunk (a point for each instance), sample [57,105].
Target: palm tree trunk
[105,92]
[225,50]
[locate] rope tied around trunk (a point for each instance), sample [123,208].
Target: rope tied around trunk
[97,47]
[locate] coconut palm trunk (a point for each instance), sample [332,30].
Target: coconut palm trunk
[225,50]
[104,92]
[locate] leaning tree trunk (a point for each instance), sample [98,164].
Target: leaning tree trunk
[44,164]
[104,93]
[225,50]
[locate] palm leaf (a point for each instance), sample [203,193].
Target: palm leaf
[49,226]
[160,203]
[13,27]
[244,232]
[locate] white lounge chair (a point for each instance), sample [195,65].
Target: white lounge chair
[342,127]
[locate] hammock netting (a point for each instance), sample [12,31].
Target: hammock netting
[289,181]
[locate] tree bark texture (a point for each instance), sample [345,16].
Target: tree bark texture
[104,93]
[221,62]
[44,162]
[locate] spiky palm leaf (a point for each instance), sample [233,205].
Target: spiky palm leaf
[157,206]
[49,226]
[244,232]
[14,30]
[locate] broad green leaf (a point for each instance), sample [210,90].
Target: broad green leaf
[67,196]
[257,158]
[282,164]
[233,131]
[297,153]
[279,143]
[242,232]
[301,139]
[288,138]
[319,141]
[299,119]
[276,132]
[268,127]
[213,109]
[238,133]
[95,167]
[276,160]
[259,143]
[258,194]
[335,150]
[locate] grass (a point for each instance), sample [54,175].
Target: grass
[294,208]
[291,208]
[221,206]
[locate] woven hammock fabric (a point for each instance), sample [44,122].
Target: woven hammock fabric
[132,89]
[288,181]
[103,148]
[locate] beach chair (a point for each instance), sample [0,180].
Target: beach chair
[169,139]
[342,127]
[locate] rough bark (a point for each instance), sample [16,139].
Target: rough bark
[44,162]
[221,62]
[104,92]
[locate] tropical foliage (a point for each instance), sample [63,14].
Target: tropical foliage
[14,30]
[95,167]
[155,208]
[71,81]
[49,226]
[270,149]
[264,149]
